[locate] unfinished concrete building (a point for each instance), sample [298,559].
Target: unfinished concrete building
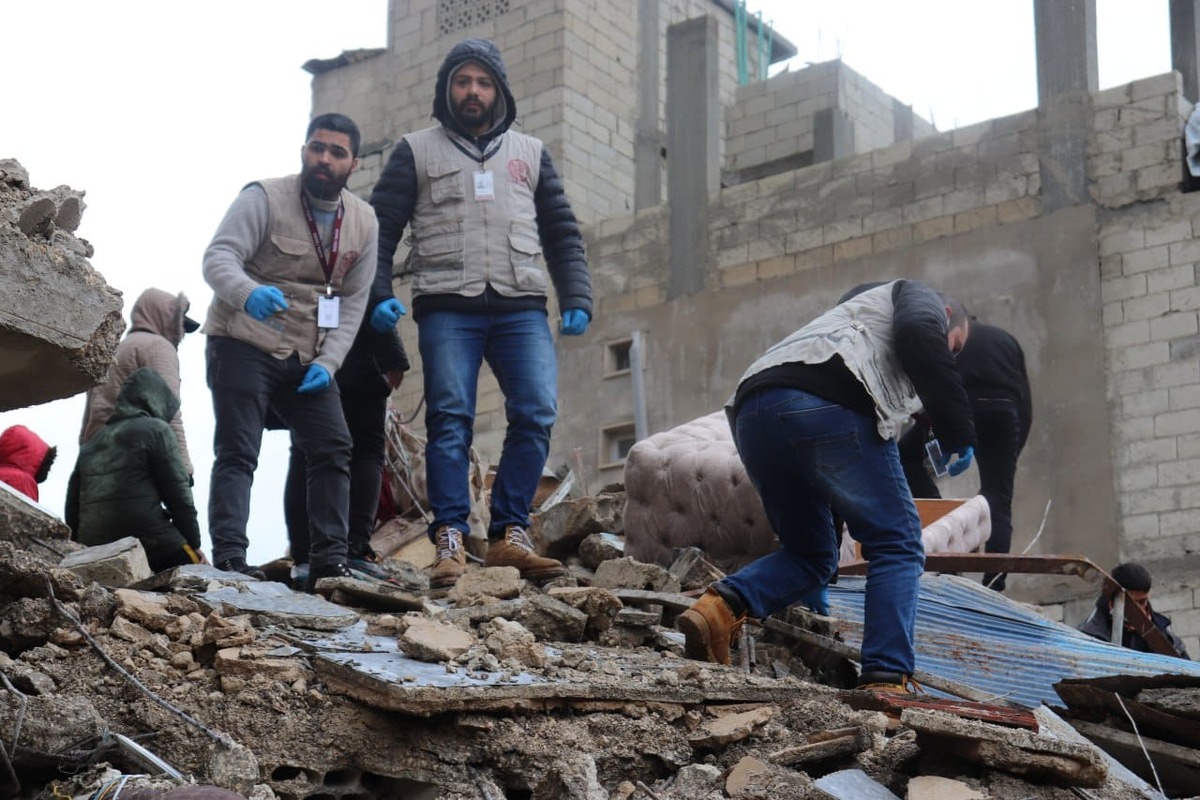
[1067,224]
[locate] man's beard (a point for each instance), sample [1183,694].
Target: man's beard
[474,118]
[327,187]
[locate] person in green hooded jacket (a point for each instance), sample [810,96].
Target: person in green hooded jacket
[130,479]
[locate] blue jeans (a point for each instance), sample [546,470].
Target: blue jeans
[810,458]
[245,383]
[520,351]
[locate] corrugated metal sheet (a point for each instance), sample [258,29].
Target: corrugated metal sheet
[979,637]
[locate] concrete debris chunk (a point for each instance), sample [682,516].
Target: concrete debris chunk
[717,733]
[500,583]
[433,641]
[119,563]
[597,548]
[1017,752]
[851,784]
[551,619]
[629,573]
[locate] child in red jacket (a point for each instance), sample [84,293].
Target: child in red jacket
[25,460]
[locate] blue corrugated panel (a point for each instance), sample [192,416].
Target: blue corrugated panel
[974,636]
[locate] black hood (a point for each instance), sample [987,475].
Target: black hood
[483,52]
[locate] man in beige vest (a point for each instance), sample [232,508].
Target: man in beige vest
[291,267]
[483,203]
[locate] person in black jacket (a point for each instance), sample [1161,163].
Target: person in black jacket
[483,204]
[815,420]
[1135,580]
[993,372]
[373,369]
[130,479]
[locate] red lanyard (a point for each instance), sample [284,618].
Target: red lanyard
[327,264]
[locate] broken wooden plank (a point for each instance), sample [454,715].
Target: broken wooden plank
[824,745]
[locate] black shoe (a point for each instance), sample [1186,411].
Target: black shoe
[318,571]
[239,565]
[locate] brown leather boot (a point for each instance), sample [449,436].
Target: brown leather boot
[451,557]
[708,628]
[890,682]
[516,550]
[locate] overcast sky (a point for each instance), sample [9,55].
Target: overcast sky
[162,111]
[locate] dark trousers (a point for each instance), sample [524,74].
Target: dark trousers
[245,383]
[365,409]
[998,429]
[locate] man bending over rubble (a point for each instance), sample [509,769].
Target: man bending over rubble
[815,421]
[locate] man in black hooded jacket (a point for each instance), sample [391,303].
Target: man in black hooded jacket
[483,204]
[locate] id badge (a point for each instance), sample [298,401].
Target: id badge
[485,188]
[328,311]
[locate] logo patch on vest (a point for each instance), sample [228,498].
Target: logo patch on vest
[347,261]
[518,171]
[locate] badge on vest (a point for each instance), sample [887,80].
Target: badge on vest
[485,188]
[328,311]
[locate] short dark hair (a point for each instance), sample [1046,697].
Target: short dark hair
[338,123]
[1132,577]
[958,312]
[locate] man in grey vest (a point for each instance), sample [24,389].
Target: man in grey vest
[483,205]
[291,268]
[815,420]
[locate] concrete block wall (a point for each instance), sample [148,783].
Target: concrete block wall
[773,119]
[1149,255]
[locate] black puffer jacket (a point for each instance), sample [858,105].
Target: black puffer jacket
[130,470]
[395,196]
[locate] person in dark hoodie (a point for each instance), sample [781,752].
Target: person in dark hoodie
[483,205]
[130,480]
[815,419]
[993,372]
[1135,580]
[25,460]
[373,369]
[157,324]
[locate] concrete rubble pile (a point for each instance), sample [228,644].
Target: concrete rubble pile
[497,688]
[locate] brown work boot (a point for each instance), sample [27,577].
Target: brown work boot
[451,557]
[891,682]
[516,550]
[708,628]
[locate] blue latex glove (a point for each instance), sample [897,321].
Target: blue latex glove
[387,314]
[962,460]
[315,380]
[265,301]
[574,321]
[817,600]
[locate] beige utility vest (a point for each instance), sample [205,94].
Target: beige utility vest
[860,331]
[286,258]
[460,244]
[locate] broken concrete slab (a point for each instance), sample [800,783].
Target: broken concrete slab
[31,526]
[717,733]
[247,662]
[60,323]
[23,574]
[1176,768]
[274,603]
[119,563]
[600,605]
[377,595]
[1017,752]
